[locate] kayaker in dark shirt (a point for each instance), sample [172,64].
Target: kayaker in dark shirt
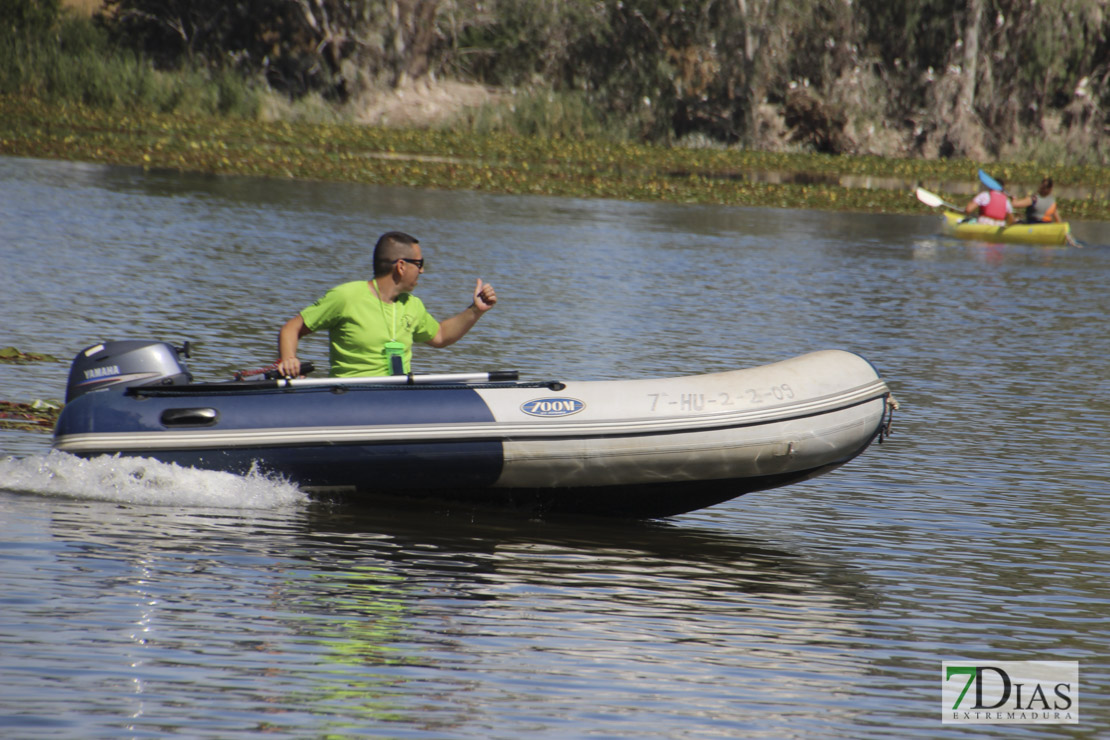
[1041,206]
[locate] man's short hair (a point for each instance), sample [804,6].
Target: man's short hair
[392,246]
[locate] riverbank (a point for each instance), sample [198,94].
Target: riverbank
[456,160]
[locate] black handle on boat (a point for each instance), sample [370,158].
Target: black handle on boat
[306,368]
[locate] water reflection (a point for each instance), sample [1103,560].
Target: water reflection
[629,552]
[374,614]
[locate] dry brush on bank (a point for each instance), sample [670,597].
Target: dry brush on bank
[934,78]
[984,79]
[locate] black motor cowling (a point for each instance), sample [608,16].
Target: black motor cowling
[127,363]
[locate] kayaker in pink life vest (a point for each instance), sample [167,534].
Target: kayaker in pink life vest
[991,207]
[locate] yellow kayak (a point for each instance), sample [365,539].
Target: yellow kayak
[1046,233]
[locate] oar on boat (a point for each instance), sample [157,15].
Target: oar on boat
[496,376]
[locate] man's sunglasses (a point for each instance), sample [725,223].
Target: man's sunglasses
[419,263]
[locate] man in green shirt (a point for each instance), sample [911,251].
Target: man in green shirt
[372,324]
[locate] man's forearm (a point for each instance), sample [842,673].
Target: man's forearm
[455,328]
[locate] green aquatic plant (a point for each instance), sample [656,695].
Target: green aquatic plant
[502,162]
[36,416]
[13,356]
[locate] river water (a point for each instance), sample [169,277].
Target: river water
[139,600]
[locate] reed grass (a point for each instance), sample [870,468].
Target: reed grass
[76,63]
[545,114]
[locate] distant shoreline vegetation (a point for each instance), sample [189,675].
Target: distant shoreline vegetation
[1005,80]
[71,88]
[506,163]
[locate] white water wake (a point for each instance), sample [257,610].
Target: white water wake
[138,480]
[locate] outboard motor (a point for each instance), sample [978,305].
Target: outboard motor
[127,363]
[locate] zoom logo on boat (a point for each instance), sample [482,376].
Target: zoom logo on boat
[552,407]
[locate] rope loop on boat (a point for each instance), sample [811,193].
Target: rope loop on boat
[888,417]
[271,372]
[244,374]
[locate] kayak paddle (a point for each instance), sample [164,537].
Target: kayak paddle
[934,201]
[991,183]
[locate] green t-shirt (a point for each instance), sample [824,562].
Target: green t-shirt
[359,325]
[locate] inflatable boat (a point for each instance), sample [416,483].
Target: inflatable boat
[1048,234]
[631,448]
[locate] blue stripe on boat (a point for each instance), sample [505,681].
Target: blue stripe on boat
[365,465]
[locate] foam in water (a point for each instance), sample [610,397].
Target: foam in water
[139,480]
